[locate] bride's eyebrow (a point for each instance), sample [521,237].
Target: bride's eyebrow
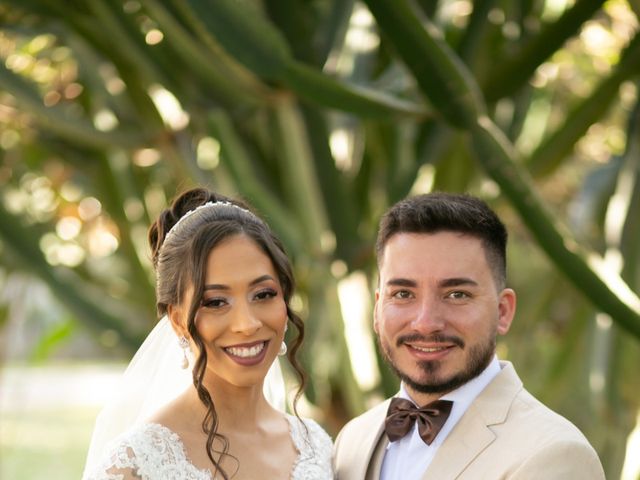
[261,279]
[218,286]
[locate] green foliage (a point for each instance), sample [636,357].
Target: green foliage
[322,114]
[51,339]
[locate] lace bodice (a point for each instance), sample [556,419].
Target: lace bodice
[151,451]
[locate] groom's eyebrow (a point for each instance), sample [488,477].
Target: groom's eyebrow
[445,283]
[457,282]
[402,282]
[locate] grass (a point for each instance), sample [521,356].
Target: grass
[47,414]
[45,444]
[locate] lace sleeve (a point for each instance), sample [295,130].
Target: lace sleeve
[315,446]
[148,452]
[121,464]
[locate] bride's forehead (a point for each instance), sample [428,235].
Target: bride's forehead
[236,250]
[240,259]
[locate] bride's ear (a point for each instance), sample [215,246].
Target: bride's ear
[178,321]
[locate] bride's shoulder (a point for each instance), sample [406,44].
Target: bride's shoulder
[315,449]
[146,440]
[147,450]
[306,432]
[148,432]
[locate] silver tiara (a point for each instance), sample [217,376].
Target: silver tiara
[222,203]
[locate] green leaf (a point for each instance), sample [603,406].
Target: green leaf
[251,40]
[121,39]
[239,164]
[555,148]
[470,44]
[338,198]
[298,166]
[607,291]
[511,74]
[232,83]
[441,75]
[242,30]
[629,181]
[322,90]
[334,28]
[52,339]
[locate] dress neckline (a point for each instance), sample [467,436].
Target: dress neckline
[295,432]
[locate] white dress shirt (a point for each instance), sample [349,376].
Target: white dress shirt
[409,457]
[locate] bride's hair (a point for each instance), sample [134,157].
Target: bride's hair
[179,254]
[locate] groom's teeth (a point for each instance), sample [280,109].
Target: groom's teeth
[245,352]
[429,350]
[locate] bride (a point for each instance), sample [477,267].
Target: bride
[223,288]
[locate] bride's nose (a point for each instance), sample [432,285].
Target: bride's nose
[244,320]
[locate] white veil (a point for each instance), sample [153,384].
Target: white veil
[152,379]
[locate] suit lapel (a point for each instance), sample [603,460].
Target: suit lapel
[472,434]
[369,438]
[375,464]
[465,442]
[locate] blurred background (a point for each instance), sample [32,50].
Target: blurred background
[321,113]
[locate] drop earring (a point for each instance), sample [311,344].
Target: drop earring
[283,346]
[184,345]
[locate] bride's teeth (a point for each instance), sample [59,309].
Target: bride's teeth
[246,352]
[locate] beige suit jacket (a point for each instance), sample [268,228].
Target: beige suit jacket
[505,434]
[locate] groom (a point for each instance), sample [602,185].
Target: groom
[441,302]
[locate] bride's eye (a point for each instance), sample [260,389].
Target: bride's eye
[265,294]
[215,302]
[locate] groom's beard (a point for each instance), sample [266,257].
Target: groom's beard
[477,358]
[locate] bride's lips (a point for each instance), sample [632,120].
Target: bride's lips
[247,354]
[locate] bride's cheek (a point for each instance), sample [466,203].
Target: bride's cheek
[208,327]
[280,314]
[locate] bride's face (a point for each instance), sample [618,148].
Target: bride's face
[243,314]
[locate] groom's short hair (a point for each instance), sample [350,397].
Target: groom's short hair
[436,212]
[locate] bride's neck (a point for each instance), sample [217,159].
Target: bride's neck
[236,407]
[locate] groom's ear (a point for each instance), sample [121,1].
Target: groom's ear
[506,310]
[375,312]
[178,320]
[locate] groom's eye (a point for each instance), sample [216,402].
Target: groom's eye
[458,295]
[402,294]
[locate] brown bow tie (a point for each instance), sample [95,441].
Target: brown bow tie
[402,414]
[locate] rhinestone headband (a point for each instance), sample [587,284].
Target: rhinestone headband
[222,203]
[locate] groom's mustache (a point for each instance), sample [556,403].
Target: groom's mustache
[435,338]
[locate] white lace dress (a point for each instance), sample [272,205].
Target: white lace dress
[153,452]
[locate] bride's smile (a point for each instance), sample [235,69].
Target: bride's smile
[246,351]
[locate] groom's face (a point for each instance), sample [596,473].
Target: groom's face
[438,310]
